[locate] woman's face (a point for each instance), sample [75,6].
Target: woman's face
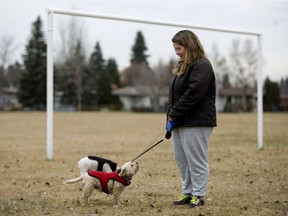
[179,50]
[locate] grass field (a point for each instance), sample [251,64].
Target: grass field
[243,180]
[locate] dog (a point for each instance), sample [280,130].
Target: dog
[112,182]
[96,163]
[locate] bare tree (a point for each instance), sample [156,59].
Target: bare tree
[138,73]
[162,75]
[71,58]
[2,77]
[78,63]
[220,66]
[70,34]
[7,48]
[244,66]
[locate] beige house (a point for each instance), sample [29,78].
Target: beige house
[8,99]
[232,100]
[142,98]
[147,98]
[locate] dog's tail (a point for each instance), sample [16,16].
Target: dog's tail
[71,181]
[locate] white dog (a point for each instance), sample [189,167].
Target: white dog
[108,182]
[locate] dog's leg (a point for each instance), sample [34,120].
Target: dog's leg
[88,188]
[118,189]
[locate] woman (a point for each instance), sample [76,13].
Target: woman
[191,109]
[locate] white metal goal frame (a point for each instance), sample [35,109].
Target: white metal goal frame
[50,62]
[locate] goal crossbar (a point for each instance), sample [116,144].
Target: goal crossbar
[50,62]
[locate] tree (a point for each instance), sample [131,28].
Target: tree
[138,50]
[71,64]
[226,81]
[112,70]
[104,88]
[14,73]
[69,79]
[93,76]
[162,75]
[114,81]
[2,78]
[244,66]
[6,50]
[78,63]
[9,75]
[220,68]
[70,35]
[139,72]
[33,80]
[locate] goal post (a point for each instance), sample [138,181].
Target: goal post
[50,62]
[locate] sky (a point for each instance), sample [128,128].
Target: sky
[269,18]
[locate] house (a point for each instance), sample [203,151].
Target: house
[8,99]
[283,102]
[230,99]
[147,98]
[143,98]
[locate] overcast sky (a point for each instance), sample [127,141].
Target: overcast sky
[116,38]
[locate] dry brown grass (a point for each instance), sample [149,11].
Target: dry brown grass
[243,180]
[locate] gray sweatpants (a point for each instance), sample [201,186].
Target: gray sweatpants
[190,150]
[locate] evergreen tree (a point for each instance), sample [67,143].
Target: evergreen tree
[139,72]
[33,80]
[92,78]
[139,49]
[104,88]
[113,72]
[96,60]
[114,82]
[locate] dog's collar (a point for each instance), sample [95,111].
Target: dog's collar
[127,179]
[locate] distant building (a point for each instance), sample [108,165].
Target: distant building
[145,98]
[231,99]
[283,99]
[283,102]
[8,99]
[142,98]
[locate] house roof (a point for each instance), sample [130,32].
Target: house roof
[139,91]
[9,90]
[236,92]
[148,90]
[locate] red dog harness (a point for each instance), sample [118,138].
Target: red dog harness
[105,177]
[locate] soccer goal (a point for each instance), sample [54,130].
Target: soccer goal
[50,61]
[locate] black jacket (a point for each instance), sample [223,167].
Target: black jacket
[192,95]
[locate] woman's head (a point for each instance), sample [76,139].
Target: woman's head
[188,47]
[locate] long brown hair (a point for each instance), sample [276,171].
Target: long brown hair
[194,50]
